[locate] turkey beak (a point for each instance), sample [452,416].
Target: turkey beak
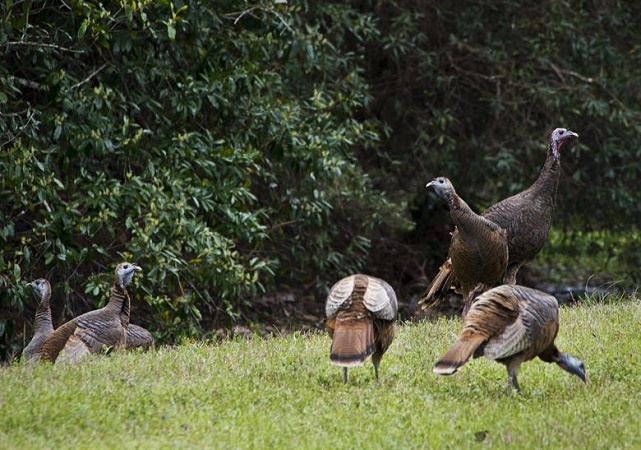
[137,268]
[582,373]
[579,372]
[575,366]
[29,284]
[429,184]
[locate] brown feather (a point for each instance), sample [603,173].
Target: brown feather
[352,340]
[458,354]
[438,287]
[57,341]
[139,337]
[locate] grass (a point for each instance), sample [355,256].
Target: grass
[283,393]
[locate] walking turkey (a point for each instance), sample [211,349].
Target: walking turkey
[42,324]
[478,253]
[525,216]
[95,331]
[510,324]
[361,320]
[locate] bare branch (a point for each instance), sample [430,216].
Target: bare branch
[39,44]
[239,15]
[86,80]
[20,131]
[28,83]
[588,80]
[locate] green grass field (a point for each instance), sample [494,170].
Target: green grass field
[283,393]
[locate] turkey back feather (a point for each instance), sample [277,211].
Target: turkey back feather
[139,337]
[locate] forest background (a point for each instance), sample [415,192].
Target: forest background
[249,154]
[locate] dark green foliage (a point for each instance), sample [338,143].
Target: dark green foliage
[208,143]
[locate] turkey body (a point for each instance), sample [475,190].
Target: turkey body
[42,325]
[361,319]
[510,324]
[527,216]
[95,331]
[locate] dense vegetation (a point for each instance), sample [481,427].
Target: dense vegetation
[283,393]
[236,148]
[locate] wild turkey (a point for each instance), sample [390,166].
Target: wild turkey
[361,320]
[478,253]
[510,324]
[138,337]
[525,216]
[42,324]
[95,331]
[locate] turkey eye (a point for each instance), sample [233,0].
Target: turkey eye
[561,132]
[126,266]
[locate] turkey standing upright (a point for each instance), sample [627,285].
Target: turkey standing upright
[525,216]
[478,248]
[42,324]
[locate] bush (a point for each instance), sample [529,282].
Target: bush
[211,145]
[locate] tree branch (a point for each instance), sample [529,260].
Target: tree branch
[39,44]
[588,80]
[20,131]
[86,80]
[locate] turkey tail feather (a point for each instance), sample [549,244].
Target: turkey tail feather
[438,288]
[352,342]
[458,354]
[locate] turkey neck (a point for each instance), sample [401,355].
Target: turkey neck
[120,303]
[42,321]
[461,213]
[548,181]
[455,202]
